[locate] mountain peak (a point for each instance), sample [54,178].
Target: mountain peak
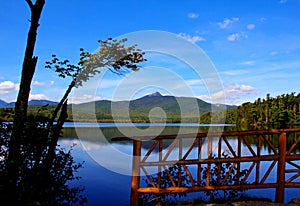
[155,94]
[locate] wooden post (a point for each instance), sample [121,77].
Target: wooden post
[135,181]
[209,156]
[259,143]
[281,168]
[179,166]
[238,168]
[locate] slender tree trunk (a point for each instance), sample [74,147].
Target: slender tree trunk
[60,104]
[50,156]
[28,69]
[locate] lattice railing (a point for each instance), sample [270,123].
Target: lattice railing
[201,158]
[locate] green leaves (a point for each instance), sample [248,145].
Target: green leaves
[112,54]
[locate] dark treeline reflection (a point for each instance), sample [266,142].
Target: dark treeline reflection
[103,135]
[41,181]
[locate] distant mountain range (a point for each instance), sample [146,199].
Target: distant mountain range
[4,104]
[175,109]
[155,106]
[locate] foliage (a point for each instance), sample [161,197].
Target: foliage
[225,169]
[280,111]
[33,185]
[112,54]
[223,195]
[151,199]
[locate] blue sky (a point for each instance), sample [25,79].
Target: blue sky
[254,45]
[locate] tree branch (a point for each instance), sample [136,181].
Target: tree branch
[30,4]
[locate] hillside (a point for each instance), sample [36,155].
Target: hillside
[185,109]
[4,104]
[175,109]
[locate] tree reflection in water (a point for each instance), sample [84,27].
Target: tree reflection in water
[38,183]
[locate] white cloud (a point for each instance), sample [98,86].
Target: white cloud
[37,83]
[38,97]
[282,1]
[237,36]
[251,26]
[233,37]
[192,39]
[237,89]
[232,93]
[235,72]
[227,22]
[84,98]
[193,82]
[193,15]
[273,53]
[8,87]
[248,63]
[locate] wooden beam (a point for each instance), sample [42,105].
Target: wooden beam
[281,168]
[135,180]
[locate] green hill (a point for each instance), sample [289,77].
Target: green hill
[175,109]
[160,108]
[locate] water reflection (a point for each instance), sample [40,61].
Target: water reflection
[93,150]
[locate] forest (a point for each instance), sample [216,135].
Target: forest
[276,112]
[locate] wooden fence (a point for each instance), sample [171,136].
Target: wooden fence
[245,154]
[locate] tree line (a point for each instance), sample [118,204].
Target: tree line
[277,112]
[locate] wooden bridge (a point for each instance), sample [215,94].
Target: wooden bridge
[205,151]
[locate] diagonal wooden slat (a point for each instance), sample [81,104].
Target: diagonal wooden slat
[293,164]
[170,176]
[190,148]
[148,176]
[228,173]
[189,174]
[171,147]
[268,172]
[294,145]
[248,146]
[248,173]
[293,178]
[229,146]
[150,150]
[270,144]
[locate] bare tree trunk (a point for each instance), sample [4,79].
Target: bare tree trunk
[60,104]
[28,69]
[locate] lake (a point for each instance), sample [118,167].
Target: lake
[107,168]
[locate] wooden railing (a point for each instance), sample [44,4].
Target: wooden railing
[245,151]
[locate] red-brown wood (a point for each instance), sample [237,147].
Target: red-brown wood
[135,181]
[281,157]
[281,168]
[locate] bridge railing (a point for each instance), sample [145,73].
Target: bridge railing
[244,152]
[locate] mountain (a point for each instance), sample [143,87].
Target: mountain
[174,108]
[2,103]
[41,102]
[30,103]
[151,107]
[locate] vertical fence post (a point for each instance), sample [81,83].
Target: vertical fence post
[209,156]
[135,181]
[281,168]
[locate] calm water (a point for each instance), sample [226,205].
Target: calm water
[107,168]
